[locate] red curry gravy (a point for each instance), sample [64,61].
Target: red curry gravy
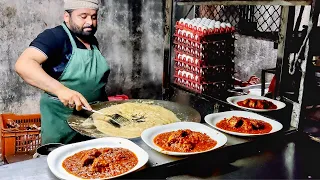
[184,141]
[257,104]
[244,125]
[100,163]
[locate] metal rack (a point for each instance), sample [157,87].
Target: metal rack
[283,34]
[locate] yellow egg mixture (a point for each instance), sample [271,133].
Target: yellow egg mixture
[142,116]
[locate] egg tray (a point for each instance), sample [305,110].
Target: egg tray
[206,70]
[212,88]
[203,78]
[219,48]
[207,38]
[227,45]
[207,59]
[197,68]
[207,32]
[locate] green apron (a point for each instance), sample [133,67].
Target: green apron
[83,73]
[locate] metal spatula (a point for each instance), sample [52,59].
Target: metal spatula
[116,119]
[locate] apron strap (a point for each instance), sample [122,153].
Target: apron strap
[73,42]
[95,47]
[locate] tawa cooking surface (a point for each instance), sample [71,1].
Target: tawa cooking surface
[75,121]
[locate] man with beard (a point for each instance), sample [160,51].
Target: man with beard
[66,64]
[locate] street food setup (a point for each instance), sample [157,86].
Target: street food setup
[107,156]
[159,148]
[145,138]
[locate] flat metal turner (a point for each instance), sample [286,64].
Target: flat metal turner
[116,119]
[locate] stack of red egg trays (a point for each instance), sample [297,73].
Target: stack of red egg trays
[201,78]
[204,61]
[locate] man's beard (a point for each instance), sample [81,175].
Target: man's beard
[79,31]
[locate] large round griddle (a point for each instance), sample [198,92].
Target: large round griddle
[75,121]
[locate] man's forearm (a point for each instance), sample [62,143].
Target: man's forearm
[32,73]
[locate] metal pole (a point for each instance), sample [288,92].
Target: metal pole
[285,31]
[167,49]
[298,112]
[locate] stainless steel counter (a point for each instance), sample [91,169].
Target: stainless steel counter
[277,158]
[37,169]
[280,157]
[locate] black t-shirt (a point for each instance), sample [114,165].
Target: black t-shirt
[56,45]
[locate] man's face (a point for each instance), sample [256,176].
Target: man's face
[82,22]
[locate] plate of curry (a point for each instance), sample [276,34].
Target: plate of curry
[242,123]
[256,103]
[183,138]
[103,158]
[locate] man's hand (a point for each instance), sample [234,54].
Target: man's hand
[72,98]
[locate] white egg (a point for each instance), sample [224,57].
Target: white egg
[223,25]
[192,68]
[196,37]
[186,58]
[190,58]
[228,24]
[217,22]
[185,33]
[217,26]
[192,35]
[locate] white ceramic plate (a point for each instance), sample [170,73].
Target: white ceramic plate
[57,156]
[253,86]
[234,99]
[149,134]
[213,119]
[256,92]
